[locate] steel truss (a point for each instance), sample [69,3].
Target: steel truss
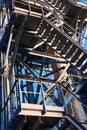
[43,65]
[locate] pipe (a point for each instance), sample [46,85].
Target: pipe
[75,122]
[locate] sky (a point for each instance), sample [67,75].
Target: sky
[85,44]
[84,1]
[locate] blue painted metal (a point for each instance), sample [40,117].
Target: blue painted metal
[21,63]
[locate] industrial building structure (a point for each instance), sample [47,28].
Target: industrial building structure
[43,65]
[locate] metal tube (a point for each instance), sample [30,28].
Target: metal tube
[8,48]
[75,122]
[45,55]
[43,97]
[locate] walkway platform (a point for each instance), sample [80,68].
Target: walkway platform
[31,114]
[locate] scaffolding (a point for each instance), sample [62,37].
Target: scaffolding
[43,65]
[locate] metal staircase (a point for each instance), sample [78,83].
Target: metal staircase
[34,27]
[65,46]
[51,30]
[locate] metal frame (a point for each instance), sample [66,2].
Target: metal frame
[26,79]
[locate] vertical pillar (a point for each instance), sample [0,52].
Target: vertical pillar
[3,96]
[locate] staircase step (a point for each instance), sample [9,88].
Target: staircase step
[54,2]
[76,55]
[71,51]
[42,28]
[58,3]
[52,33]
[57,37]
[62,5]
[47,31]
[55,41]
[80,61]
[68,44]
[84,67]
[60,45]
